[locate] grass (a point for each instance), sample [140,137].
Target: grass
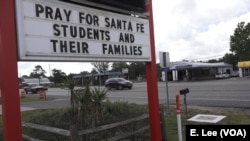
[33,99]
[30,99]
[233,117]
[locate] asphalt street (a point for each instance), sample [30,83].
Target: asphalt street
[228,93]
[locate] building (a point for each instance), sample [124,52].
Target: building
[188,71]
[98,78]
[244,68]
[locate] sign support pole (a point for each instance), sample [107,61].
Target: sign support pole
[8,73]
[165,64]
[166,80]
[152,87]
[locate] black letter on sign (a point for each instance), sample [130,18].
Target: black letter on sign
[57,31]
[39,9]
[81,17]
[140,50]
[104,48]
[49,12]
[54,42]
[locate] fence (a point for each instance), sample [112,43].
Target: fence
[74,135]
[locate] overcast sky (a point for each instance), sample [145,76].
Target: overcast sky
[187,29]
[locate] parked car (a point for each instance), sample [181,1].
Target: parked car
[220,75]
[118,83]
[34,88]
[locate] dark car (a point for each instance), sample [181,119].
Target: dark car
[118,83]
[34,88]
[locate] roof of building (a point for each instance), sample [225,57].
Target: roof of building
[99,74]
[186,65]
[36,80]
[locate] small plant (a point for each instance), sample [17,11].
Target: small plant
[89,103]
[70,83]
[98,96]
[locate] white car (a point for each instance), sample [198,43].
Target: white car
[220,75]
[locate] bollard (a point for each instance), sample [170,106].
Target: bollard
[23,94]
[41,94]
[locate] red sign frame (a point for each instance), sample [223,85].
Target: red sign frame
[8,73]
[9,76]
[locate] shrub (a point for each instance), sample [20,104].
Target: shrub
[63,118]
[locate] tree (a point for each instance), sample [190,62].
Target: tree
[101,66]
[93,71]
[240,42]
[58,76]
[213,61]
[84,72]
[25,76]
[230,59]
[159,70]
[117,66]
[137,69]
[38,72]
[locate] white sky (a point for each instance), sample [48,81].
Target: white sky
[187,29]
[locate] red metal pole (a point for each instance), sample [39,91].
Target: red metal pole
[8,73]
[153,99]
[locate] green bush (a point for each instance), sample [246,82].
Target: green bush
[63,118]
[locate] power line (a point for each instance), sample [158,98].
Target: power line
[211,57]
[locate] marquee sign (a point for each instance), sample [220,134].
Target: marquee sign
[51,30]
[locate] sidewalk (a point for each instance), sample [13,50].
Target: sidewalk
[22,109]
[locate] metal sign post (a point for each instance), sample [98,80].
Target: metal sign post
[165,63]
[184,92]
[166,80]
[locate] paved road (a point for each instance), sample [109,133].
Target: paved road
[233,92]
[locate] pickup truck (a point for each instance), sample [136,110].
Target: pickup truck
[34,88]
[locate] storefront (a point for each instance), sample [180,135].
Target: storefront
[188,71]
[244,68]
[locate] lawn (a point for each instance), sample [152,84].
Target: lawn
[233,117]
[30,99]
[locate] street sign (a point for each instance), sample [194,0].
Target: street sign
[164,59]
[165,64]
[47,31]
[52,30]
[124,70]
